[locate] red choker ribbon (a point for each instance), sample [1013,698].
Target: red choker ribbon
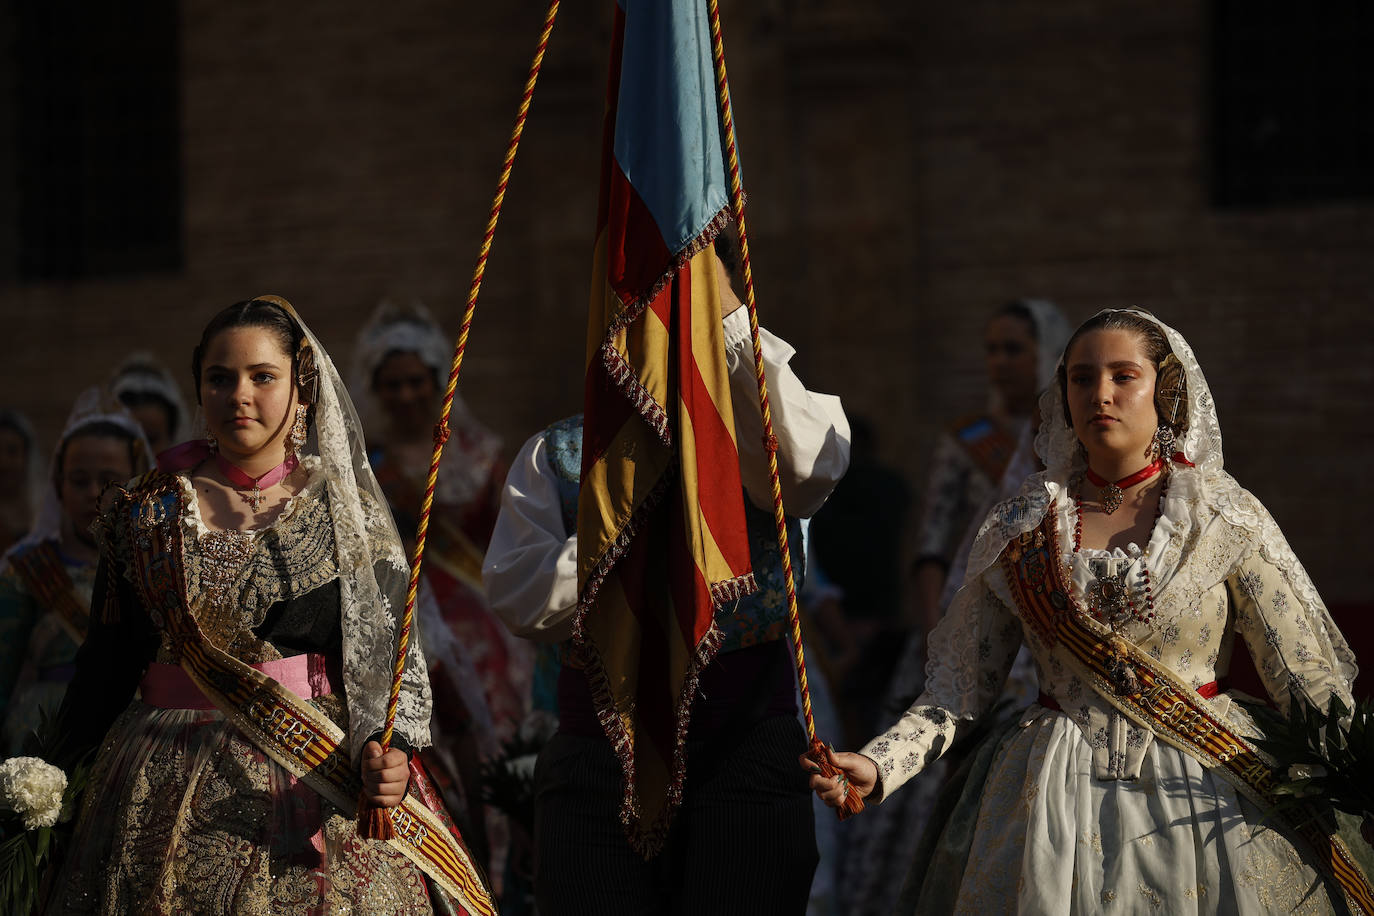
[1113,493]
[242,481]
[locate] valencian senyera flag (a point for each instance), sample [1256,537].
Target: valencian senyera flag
[661,538]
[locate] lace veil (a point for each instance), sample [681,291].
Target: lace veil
[1052,331]
[141,374]
[373,569]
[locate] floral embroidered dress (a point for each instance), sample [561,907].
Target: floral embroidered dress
[968,461]
[1082,811]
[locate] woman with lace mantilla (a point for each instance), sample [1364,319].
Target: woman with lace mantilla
[250,591]
[1129,567]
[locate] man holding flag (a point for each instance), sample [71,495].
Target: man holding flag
[670,785]
[737,834]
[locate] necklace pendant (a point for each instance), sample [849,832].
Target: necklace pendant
[1112,497]
[254,499]
[1108,597]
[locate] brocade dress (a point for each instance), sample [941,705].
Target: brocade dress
[183,814]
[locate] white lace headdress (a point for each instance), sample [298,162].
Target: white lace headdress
[92,406]
[373,570]
[1058,448]
[1052,331]
[141,374]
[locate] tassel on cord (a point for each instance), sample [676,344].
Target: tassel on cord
[374,823]
[852,803]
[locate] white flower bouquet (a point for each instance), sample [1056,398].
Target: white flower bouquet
[37,800]
[33,790]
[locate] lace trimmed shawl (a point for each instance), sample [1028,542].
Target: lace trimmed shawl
[1198,495]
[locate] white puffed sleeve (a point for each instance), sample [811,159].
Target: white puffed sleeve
[812,429]
[530,570]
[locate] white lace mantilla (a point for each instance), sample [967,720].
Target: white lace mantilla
[373,574]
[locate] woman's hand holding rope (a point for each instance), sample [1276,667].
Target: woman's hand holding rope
[856,771]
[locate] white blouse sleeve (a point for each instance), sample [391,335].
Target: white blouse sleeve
[971,651]
[1295,645]
[812,429]
[530,570]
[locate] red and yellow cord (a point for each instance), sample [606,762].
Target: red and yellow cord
[374,826]
[852,803]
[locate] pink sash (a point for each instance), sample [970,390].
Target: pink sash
[170,687]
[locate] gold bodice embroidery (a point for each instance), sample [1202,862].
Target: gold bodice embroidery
[234,577]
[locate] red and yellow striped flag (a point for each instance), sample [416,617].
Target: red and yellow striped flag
[661,532]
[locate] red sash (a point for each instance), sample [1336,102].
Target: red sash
[45,576]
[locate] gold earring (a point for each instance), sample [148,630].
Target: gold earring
[300,429]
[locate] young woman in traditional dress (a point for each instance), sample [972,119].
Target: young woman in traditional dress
[1129,567]
[46,580]
[1021,343]
[401,367]
[251,591]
